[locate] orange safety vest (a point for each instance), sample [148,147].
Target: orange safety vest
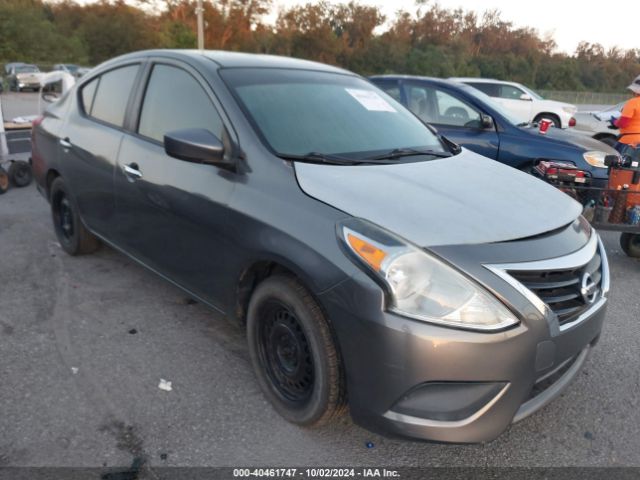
[630,133]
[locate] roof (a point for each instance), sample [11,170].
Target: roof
[440,81]
[482,80]
[227,59]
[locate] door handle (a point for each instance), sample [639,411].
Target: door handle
[66,143]
[132,171]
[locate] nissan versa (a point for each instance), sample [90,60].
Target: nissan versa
[439,294]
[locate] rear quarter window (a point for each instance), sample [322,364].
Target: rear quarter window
[87,93]
[112,95]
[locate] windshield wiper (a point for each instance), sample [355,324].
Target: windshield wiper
[316,157]
[408,152]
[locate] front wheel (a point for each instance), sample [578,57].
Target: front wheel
[293,352]
[73,236]
[630,243]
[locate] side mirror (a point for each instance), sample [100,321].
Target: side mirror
[526,97]
[196,145]
[487,122]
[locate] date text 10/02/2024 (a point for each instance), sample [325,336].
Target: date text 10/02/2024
[315,472]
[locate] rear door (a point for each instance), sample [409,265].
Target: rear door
[453,116]
[172,214]
[90,141]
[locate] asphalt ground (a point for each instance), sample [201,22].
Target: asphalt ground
[85,342]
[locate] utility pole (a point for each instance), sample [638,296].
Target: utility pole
[199,12]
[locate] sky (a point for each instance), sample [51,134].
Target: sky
[612,23]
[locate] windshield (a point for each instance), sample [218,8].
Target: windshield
[71,68]
[483,97]
[615,109]
[298,112]
[27,69]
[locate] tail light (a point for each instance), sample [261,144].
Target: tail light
[37,121]
[37,165]
[572,122]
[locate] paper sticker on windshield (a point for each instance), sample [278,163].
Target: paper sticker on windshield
[370,100]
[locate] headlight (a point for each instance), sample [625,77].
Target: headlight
[421,286]
[595,159]
[570,110]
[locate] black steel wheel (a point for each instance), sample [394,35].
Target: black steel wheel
[630,243]
[73,236]
[293,352]
[284,352]
[4,181]
[20,173]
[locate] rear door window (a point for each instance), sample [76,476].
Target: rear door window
[175,100]
[112,95]
[491,89]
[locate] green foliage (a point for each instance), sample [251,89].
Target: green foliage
[28,34]
[431,40]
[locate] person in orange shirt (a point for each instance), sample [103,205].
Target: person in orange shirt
[629,120]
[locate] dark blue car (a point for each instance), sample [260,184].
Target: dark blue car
[472,119]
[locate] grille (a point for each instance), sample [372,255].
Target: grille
[561,289]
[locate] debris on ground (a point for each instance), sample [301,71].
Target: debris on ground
[165,385]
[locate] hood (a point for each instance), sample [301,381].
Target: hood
[29,75]
[571,138]
[466,199]
[554,104]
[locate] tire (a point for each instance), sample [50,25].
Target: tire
[4,181]
[20,173]
[630,243]
[554,118]
[293,352]
[73,236]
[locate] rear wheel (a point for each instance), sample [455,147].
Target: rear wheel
[4,181]
[20,173]
[73,236]
[293,352]
[630,243]
[548,116]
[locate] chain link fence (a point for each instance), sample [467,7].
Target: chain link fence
[585,98]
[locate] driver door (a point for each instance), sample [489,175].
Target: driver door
[453,117]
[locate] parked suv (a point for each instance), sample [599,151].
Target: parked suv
[523,103]
[439,293]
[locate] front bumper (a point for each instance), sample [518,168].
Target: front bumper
[29,85]
[419,380]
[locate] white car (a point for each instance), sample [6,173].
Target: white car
[597,124]
[523,103]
